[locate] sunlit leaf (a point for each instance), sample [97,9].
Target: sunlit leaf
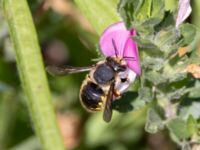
[192,125]
[178,127]
[142,14]
[155,77]
[189,32]
[189,107]
[154,122]
[194,91]
[145,94]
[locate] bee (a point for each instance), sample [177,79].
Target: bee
[106,81]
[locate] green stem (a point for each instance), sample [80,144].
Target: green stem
[32,73]
[8,109]
[196,12]
[100,13]
[195,20]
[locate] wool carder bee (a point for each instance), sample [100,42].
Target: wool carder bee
[108,79]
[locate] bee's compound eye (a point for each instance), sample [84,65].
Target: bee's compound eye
[91,97]
[123,80]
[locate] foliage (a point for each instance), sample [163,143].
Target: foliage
[164,71]
[164,100]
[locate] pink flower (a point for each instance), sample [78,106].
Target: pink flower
[118,37]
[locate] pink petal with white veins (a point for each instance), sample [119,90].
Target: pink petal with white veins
[124,43]
[184,11]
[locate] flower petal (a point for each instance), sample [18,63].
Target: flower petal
[117,33]
[184,11]
[131,50]
[117,40]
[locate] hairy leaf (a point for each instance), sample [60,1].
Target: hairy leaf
[154,122]
[178,127]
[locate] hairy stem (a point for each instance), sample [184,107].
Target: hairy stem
[32,73]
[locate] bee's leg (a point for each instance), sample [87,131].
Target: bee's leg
[118,85]
[117,93]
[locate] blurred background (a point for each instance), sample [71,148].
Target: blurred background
[66,38]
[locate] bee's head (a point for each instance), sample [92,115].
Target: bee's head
[118,64]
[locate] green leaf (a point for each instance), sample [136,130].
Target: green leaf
[189,33]
[189,107]
[174,71]
[178,127]
[176,94]
[129,8]
[167,39]
[178,76]
[154,122]
[155,77]
[192,125]
[141,14]
[153,63]
[145,94]
[145,42]
[194,91]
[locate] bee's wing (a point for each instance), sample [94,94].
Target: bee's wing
[107,114]
[55,70]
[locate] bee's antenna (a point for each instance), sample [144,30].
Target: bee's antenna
[115,47]
[130,58]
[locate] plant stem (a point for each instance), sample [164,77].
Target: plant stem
[100,13]
[196,13]
[8,109]
[32,73]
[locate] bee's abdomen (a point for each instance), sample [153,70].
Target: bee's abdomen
[103,74]
[91,96]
